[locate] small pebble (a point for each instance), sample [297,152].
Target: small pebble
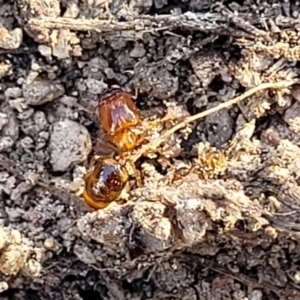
[45,50]
[40,92]
[3,286]
[70,144]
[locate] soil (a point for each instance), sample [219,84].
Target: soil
[215,215]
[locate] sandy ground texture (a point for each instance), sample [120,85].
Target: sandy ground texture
[216,213]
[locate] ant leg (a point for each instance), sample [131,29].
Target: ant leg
[153,124]
[163,160]
[104,148]
[103,145]
[137,174]
[149,125]
[141,138]
[157,151]
[136,93]
[94,160]
[80,107]
[167,118]
[182,172]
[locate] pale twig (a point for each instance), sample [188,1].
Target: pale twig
[156,143]
[199,21]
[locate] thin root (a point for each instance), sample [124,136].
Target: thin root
[156,143]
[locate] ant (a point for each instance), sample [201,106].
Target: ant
[208,164]
[104,183]
[119,117]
